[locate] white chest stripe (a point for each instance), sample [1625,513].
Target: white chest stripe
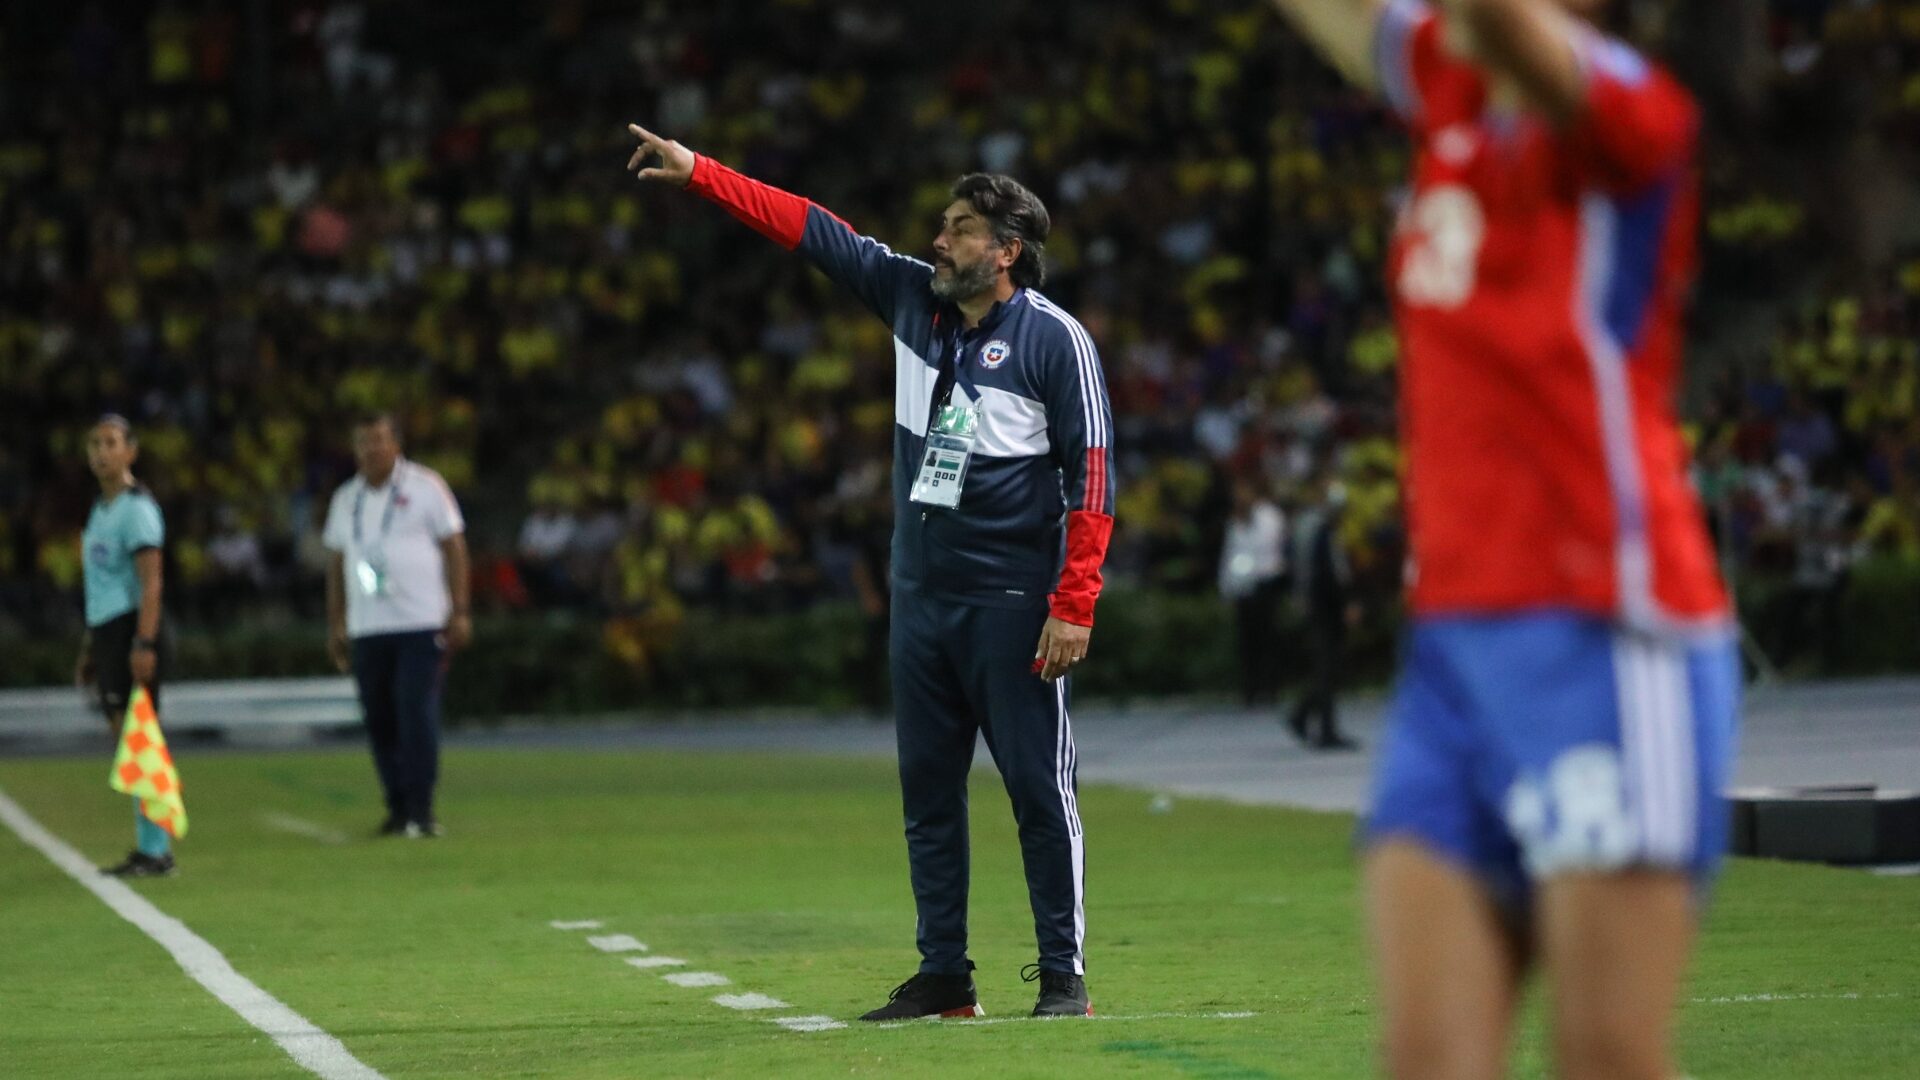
[1011,426]
[913,380]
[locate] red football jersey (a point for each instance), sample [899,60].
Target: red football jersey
[1539,275]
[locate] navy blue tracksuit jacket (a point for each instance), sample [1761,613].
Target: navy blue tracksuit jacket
[973,585]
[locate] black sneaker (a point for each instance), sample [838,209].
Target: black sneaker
[395,825]
[1062,993]
[946,996]
[140,864]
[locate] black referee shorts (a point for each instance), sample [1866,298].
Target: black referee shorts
[112,652]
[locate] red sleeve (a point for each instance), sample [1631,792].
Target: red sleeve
[1087,535]
[778,215]
[1638,126]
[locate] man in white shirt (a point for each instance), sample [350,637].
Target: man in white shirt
[396,609]
[1252,562]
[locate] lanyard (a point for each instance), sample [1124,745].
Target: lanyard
[386,518]
[953,371]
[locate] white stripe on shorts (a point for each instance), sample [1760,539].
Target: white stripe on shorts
[1657,745]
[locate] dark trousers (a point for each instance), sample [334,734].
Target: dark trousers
[960,669]
[400,676]
[1256,630]
[1314,715]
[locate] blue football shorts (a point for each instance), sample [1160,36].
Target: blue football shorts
[1525,746]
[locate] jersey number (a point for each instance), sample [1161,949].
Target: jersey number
[1446,228]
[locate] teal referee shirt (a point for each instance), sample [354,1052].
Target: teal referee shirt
[116,532]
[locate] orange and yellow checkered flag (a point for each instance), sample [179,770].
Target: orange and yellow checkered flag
[144,769]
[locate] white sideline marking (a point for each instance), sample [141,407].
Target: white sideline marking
[315,1050]
[644,962]
[303,827]
[696,978]
[617,943]
[807,1023]
[1748,999]
[749,1001]
[982,1022]
[576,924]
[1911,869]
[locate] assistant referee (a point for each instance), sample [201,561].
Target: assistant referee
[123,647]
[1002,513]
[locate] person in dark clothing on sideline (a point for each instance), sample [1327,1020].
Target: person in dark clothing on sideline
[1324,580]
[1253,564]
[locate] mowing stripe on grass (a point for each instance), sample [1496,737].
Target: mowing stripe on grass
[315,1050]
[302,827]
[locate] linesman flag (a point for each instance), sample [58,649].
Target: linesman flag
[144,769]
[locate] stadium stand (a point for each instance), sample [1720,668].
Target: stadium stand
[239,223]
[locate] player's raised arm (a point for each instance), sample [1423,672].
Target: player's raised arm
[1630,123]
[1343,31]
[871,270]
[1534,44]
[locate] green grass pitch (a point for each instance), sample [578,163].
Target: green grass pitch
[787,874]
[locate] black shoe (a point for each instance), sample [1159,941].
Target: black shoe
[1296,722]
[422,829]
[141,864]
[946,996]
[1062,993]
[395,825]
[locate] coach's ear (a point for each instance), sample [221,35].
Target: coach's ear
[1010,253]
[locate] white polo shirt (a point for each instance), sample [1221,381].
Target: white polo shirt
[401,525]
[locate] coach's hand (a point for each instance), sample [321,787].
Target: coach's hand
[1062,646]
[676,161]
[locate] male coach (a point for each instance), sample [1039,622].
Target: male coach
[1002,504]
[396,609]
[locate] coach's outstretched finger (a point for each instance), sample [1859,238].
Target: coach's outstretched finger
[676,161]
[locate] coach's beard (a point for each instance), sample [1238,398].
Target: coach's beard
[963,284]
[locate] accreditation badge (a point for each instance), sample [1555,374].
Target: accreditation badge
[943,469]
[371,573]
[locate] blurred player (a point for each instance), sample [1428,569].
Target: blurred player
[1564,723]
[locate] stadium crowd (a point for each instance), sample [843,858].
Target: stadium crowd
[240,226]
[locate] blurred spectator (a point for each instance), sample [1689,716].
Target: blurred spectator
[1325,579]
[236,569]
[545,539]
[240,230]
[1252,565]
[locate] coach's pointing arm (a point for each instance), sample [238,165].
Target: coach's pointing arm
[872,271]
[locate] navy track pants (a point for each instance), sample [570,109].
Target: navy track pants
[958,669]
